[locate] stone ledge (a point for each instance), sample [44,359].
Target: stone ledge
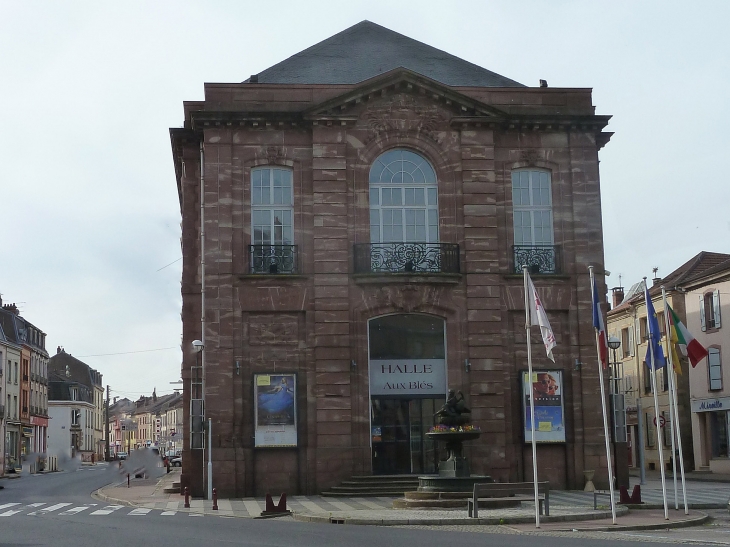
[406,278]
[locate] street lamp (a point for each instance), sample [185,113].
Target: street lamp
[198,348]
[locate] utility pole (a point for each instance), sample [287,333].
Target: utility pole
[106,432]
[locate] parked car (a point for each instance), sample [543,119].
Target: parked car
[176,462]
[122,455]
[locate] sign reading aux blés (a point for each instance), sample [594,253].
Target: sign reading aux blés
[408,377]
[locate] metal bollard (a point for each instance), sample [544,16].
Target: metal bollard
[127,480]
[215,499]
[187,498]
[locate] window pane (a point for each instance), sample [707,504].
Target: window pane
[375,233]
[374,196]
[419,196]
[410,198]
[387,196]
[374,216]
[396,196]
[432,196]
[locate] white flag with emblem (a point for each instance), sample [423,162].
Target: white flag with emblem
[538,316]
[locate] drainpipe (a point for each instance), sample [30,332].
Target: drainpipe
[202,290]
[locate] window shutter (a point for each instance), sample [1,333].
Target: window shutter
[716,305]
[632,349]
[702,313]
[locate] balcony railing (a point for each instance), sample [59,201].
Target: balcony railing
[417,258]
[540,259]
[273,259]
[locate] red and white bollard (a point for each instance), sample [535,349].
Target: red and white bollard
[187,498]
[215,499]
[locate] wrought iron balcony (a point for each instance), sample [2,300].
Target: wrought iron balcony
[416,258]
[273,259]
[540,259]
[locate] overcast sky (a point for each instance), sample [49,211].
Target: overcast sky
[88,91]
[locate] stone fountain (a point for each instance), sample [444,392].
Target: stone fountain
[454,482]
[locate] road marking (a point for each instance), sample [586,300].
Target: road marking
[35,504]
[139,512]
[253,508]
[195,515]
[107,510]
[4,505]
[10,513]
[168,513]
[75,510]
[50,509]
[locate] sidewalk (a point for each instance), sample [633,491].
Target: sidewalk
[569,510]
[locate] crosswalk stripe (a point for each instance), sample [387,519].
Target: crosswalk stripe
[51,508]
[107,510]
[253,508]
[168,513]
[36,504]
[140,511]
[4,505]
[9,513]
[75,510]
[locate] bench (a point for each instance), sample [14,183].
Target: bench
[510,491]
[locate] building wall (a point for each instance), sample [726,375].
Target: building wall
[315,324]
[714,411]
[11,394]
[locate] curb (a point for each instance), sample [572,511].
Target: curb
[688,523]
[99,495]
[330,519]
[641,506]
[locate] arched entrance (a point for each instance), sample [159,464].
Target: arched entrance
[407,369]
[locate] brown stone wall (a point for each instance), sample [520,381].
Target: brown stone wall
[315,323]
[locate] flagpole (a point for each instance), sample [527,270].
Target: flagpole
[673,401]
[672,411]
[656,402]
[528,324]
[673,377]
[603,406]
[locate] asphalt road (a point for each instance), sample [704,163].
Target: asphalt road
[31,522]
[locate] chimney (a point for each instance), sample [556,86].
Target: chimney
[11,308]
[115,400]
[618,295]
[58,350]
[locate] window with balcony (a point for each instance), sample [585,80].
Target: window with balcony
[272,249]
[404,219]
[532,208]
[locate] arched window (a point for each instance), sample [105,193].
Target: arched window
[403,199]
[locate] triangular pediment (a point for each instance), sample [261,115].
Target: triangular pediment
[398,82]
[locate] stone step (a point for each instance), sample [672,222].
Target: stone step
[364,494]
[176,484]
[371,484]
[172,490]
[383,478]
[403,503]
[372,488]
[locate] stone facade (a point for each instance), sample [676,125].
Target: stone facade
[314,322]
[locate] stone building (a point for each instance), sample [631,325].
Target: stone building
[367,206]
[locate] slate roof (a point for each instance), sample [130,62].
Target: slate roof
[699,265]
[366,50]
[79,374]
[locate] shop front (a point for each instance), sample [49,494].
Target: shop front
[711,429]
[408,384]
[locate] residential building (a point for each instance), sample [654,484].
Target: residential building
[172,434]
[121,426]
[72,408]
[369,204]
[26,433]
[707,300]
[627,321]
[9,423]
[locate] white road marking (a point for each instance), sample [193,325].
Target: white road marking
[168,513]
[75,510]
[4,505]
[139,512]
[35,504]
[10,513]
[50,509]
[107,510]
[195,515]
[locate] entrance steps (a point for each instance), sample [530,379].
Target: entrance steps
[375,485]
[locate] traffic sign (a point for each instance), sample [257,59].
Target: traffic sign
[662,421]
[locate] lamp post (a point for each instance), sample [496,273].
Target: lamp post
[618,404]
[199,348]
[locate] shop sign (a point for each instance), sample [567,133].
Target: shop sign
[408,377]
[27,431]
[711,405]
[41,422]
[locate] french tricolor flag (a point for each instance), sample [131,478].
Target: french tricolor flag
[600,328]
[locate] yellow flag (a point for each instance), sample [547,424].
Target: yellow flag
[673,340]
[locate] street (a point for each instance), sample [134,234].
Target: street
[58,509]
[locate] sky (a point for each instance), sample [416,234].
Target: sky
[90,243]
